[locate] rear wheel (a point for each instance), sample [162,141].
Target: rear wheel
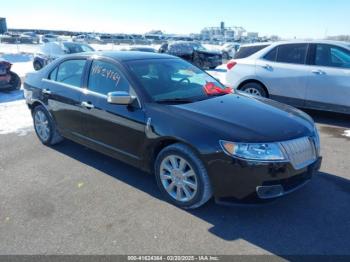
[182,177]
[254,88]
[44,126]
[15,81]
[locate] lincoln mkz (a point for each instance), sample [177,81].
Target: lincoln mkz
[167,117]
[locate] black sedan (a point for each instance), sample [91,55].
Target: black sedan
[193,52]
[167,117]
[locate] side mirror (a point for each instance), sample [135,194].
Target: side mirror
[120,98]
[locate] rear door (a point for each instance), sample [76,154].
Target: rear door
[119,129]
[284,71]
[328,86]
[62,90]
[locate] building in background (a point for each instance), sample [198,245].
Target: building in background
[222,33]
[3,25]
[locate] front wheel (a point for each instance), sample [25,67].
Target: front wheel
[37,65]
[182,177]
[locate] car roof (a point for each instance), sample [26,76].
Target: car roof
[322,41]
[126,55]
[257,44]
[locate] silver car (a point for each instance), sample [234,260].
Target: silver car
[307,74]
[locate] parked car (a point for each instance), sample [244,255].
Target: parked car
[29,37]
[229,50]
[306,74]
[155,39]
[193,52]
[123,39]
[49,38]
[141,49]
[51,51]
[87,38]
[140,40]
[165,116]
[107,38]
[8,80]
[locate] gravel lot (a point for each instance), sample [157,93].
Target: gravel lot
[71,200]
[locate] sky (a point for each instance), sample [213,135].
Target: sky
[286,18]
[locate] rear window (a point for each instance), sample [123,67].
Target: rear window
[292,53]
[246,51]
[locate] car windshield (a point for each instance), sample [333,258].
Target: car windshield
[175,80]
[72,48]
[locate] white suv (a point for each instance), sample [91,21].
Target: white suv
[313,74]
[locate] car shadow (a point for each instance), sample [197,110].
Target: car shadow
[330,118]
[313,220]
[10,96]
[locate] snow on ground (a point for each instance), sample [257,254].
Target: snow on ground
[20,48]
[14,114]
[22,62]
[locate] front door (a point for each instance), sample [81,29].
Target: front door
[328,86]
[119,129]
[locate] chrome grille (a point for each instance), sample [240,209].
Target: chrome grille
[301,152]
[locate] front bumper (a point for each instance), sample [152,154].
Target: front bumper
[236,179]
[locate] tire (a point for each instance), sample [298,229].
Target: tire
[182,154]
[198,62]
[15,81]
[53,137]
[37,65]
[225,56]
[254,88]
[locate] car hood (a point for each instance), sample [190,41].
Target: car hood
[241,118]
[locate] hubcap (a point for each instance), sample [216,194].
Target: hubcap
[178,178]
[253,91]
[41,124]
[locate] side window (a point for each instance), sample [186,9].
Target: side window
[292,53]
[106,77]
[70,72]
[271,56]
[53,74]
[245,51]
[333,56]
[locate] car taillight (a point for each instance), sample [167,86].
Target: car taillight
[231,64]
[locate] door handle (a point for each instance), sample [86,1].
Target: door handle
[87,105]
[46,91]
[267,67]
[318,72]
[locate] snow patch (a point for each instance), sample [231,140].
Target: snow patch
[346,133]
[15,117]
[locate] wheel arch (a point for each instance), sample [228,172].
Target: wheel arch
[254,81]
[159,145]
[36,103]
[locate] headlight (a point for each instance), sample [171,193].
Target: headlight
[253,151]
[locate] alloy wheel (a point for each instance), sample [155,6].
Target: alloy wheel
[178,178]
[41,124]
[252,91]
